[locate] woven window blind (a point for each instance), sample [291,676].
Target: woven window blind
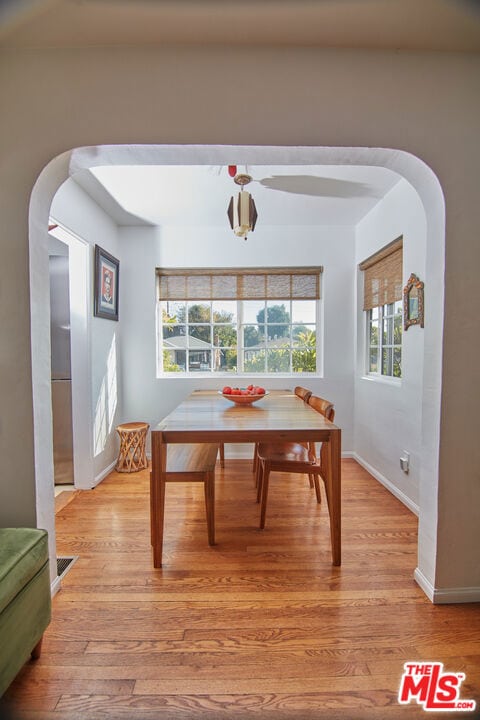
[383,276]
[239,284]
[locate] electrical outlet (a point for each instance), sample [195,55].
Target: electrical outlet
[405,461]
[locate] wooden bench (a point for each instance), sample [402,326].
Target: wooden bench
[194,462]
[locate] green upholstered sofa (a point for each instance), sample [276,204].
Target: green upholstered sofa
[25,599]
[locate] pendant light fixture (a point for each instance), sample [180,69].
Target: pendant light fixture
[242,212]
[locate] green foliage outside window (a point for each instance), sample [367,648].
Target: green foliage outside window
[304,359]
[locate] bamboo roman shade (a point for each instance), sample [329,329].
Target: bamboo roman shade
[383,276]
[239,284]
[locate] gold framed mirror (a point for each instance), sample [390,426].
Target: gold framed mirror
[413,302]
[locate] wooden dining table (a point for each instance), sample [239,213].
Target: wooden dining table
[205,416]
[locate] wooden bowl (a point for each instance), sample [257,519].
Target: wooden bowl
[242,399]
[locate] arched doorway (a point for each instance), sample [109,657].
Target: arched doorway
[406,165]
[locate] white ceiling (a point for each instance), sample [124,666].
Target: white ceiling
[199,195]
[400,24]
[326,194]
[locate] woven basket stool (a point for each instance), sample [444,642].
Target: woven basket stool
[132,455]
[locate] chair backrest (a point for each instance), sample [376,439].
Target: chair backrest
[325,407]
[303,393]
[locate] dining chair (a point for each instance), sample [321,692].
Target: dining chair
[325,407]
[304,394]
[293,457]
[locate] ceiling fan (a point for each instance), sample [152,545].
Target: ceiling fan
[312,185]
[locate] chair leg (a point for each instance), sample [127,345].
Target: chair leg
[35,654]
[209,488]
[222,455]
[259,479]
[265,481]
[255,460]
[311,478]
[317,489]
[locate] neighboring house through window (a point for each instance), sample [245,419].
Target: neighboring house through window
[382,304]
[251,321]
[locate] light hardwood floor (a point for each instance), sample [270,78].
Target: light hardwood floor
[261,622]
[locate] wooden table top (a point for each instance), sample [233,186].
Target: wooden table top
[209,416]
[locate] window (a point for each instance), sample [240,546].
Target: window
[383,310]
[384,332]
[248,321]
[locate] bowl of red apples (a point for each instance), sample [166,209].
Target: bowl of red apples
[243,396]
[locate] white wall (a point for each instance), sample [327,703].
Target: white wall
[149,398]
[424,105]
[75,210]
[388,414]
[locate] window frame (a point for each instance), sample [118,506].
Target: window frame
[383,288]
[238,323]
[383,316]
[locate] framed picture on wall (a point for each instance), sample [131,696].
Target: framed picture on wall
[107,270]
[413,302]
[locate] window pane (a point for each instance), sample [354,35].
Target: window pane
[373,337]
[387,368]
[173,310]
[252,336]
[373,360]
[224,311]
[218,360]
[279,332]
[254,361]
[225,361]
[304,359]
[397,329]
[199,332]
[277,318]
[278,360]
[198,312]
[199,361]
[171,361]
[225,336]
[251,309]
[304,335]
[304,311]
[397,362]
[171,331]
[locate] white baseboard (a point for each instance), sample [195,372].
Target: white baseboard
[388,484]
[445,596]
[55,586]
[98,478]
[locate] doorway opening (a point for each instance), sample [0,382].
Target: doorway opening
[406,165]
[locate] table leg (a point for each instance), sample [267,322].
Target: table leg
[334,494]
[157,495]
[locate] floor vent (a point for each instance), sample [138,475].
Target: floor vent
[64,564]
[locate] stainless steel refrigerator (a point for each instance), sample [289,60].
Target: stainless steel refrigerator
[61,369]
